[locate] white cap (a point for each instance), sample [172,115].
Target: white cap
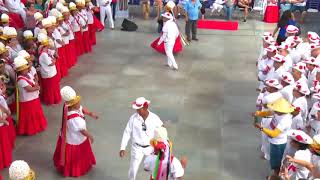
[27,34]
[265,34]
[161,134]
[46,23]
[300,66]
[67,93]
[38,16]
[52,19]
[140,103]
[273,83]
[24,54]
[10,32]
[287,77]
[300,136]
[59,6]
[302,88]
[19,170]
[294,39]
[4,18]
[20,63]
[167,15]
[72,6]
[284,45]
[64,9]
[43,38]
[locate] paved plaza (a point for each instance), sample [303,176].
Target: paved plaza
[206,105]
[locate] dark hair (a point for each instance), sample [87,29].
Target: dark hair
[284,20]
[1,61]
[28,5]
[301,145]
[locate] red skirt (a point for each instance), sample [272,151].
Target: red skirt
[31,118]
[5,148]
[73,51]
[79,43]
[11,131]
[79,159]
[13,107]
[70,56]
[50,93]
[62,62]
[86,41]
[92,35]
[176,49]
[271,14]
[16,21]
[99,26]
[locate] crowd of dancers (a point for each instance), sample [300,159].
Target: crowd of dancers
[288,104]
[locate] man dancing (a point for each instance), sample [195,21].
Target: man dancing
[170,34]
[140,129]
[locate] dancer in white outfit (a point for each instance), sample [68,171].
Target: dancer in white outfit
[140,129]
[16,6]
[170,33]
[105,9]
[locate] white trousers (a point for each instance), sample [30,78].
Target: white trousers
[216,7]
[106,10]
[168,47]
[265,144]
[137,154]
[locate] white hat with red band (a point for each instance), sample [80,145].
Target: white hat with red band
[278,58]
[315,88]
[273,83]
[294,39]
[140,103]
[266,34]
[300,66]
[300,136]
[284,45]
[271,48]
[313,37]
[302,88]
[311,60]
[269,40]
[291,29]
[287,77]
[314,46]
[316,96]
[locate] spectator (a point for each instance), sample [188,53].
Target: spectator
[286,19]
[228,8]
[114,6]
[39,5]
[300,5]
[31,10]
[192,8]
[285,5]
[145,6]
[246,5]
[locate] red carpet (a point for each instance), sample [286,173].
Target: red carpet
[218,25]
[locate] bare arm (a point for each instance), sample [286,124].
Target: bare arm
[275,31]
[87,134]
[89,113]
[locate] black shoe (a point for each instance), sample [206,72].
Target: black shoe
[244,20]
[188,39]
[195,39]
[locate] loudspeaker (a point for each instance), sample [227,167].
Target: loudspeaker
[128,25]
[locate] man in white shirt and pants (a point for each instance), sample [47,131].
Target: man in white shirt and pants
[105,9]
[140,129]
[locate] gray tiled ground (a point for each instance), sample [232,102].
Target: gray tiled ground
[206,104]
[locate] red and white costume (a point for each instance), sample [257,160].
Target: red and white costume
[50,81]
[75,23]
[73,155]
[5,145]
[86,41]
[91,25]
[11,127]
[31,118]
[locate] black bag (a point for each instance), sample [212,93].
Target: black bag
[128,25]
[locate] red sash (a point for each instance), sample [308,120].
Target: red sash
[27,80]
